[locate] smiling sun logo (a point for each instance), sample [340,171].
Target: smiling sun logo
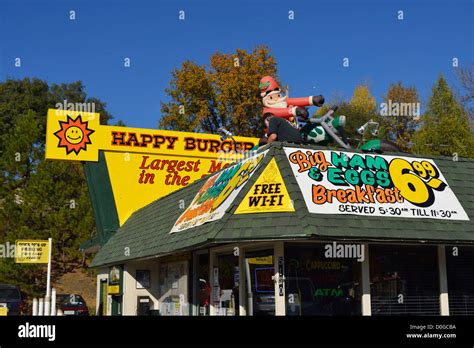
[74,135]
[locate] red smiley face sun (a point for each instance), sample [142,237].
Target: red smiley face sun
[74,135]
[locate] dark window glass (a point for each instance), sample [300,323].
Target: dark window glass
[460,270]
[9,294]
[203,286]
[320,285]
[228,290]
[70,300]
[404,280]
[258,274]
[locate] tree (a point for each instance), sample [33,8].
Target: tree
[38,198]
[445,128]
[465,77]
[221,94]
[360,109]
[362,100]
[400,119]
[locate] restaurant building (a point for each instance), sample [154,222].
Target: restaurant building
[294,230]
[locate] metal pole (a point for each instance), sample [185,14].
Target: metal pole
[278,267]
[212,307]
[53,302]
[47,300]
[249,288]
[366,300]
[443,281]
[242,286]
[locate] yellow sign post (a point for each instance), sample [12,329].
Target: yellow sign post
[37,251]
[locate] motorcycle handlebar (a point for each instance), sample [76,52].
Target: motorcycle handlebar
[319,120]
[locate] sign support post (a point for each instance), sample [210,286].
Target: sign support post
[47,299]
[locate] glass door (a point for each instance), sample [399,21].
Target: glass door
[226,285]
[260,287]
[202,284]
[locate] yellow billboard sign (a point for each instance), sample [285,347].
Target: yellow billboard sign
[143,164]
[32,251]
[3,311]
[78,136]
[139,179]
[268,194]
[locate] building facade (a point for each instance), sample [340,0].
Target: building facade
[299,230]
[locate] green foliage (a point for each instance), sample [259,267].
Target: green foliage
[362,100]
[445,128]
[400,128]
[40,199]
[223,93]
[360,109]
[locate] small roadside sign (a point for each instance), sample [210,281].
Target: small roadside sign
[32,251]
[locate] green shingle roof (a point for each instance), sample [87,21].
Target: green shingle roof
[146,232]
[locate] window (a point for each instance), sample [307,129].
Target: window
[317,285]
[460,266]
[404,280]
[259,272]
[203,287]
[173,288]
[226,286]
[9,294]
[142,279]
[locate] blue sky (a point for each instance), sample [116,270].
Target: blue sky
[309,50]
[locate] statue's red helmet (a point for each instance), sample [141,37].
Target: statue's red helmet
[267,85]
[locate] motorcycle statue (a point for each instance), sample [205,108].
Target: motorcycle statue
[329,129]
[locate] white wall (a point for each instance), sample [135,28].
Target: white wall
[130,292]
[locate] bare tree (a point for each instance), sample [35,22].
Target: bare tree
[465,76]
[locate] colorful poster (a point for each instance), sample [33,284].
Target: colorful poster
[218,193]
[268,194]
[335,182]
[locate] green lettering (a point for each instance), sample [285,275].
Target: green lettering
[339,160]
[383,179]
[357,161]
[352,177]
[335,176]
[315,174]
[376,162]
[367,177]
